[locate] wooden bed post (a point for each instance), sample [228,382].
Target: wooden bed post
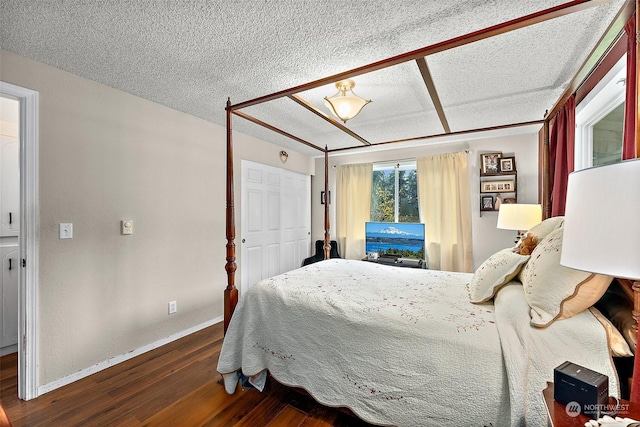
[327,235]
[544,191]
[230,293]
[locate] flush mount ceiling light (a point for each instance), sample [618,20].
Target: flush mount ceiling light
[343,106]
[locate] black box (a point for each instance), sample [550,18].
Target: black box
[577,385]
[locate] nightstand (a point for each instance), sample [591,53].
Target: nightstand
[558,416]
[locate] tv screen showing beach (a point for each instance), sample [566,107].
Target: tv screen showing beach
[395,238]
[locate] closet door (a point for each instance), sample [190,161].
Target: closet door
[296,223]
[260,223]
[10,186]
[275,222]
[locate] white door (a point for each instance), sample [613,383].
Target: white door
[296,226]
[275,221]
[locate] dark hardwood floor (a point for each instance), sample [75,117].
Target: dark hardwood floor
[174,385]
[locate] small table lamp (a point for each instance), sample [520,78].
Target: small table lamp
[602,226]
[519,217]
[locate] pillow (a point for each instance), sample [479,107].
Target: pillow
[617,343]
[494,273]
[617,307]
[547,226]
[556,292]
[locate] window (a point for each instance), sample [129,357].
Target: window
[394,193]
[600,121]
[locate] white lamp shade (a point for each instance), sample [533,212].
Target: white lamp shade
[518,216]
[602,220]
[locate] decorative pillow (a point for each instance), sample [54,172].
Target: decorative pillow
[494,273]
[544,228]
[554,291]
[617,344]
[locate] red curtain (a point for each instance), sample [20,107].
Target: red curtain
[561,154]
[629,145]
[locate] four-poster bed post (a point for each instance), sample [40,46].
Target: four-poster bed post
[231,292]
[327,234]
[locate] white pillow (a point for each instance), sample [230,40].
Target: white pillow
[547,226]
[494,273]
[554,291]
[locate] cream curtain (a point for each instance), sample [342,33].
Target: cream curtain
[445,209]
[353,187]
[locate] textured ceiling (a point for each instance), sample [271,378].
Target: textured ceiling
[192,54]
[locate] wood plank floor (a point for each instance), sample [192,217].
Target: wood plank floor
[174,385]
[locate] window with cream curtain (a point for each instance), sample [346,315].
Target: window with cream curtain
[445,209]
[394,195]
[353,188]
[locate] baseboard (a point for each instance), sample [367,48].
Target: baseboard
[122,358]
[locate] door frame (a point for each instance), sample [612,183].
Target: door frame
[29,238]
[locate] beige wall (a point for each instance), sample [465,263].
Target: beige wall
[487,239]
[106,155]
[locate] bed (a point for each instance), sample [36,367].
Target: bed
[413,347]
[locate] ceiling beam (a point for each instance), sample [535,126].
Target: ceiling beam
[309,106]
[502,28]
[275,129]
[462,132]
[431,87]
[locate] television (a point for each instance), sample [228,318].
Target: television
[395,238]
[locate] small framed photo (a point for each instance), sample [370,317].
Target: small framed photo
[490,162]
[487,203]
[507,164]
[509,200]
[497,187]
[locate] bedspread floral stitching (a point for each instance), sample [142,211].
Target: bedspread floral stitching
[475,322]
[371,390]
[274,352]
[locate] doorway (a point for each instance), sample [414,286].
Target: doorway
[28,219]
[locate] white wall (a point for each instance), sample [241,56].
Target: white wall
[106,155]
[487,239]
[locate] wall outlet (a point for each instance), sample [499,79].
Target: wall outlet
[173,307]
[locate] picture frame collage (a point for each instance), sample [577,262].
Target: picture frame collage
[495,164]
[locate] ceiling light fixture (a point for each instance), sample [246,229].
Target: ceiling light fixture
[343,106]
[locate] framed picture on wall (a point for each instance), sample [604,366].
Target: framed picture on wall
[487,203]
[507,164]
[498,187]
[490,162]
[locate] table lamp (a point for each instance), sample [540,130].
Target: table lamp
[519,217]
[602,226]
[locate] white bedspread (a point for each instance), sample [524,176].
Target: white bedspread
[402,346]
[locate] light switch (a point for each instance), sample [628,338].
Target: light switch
[66,231]
[126,226]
